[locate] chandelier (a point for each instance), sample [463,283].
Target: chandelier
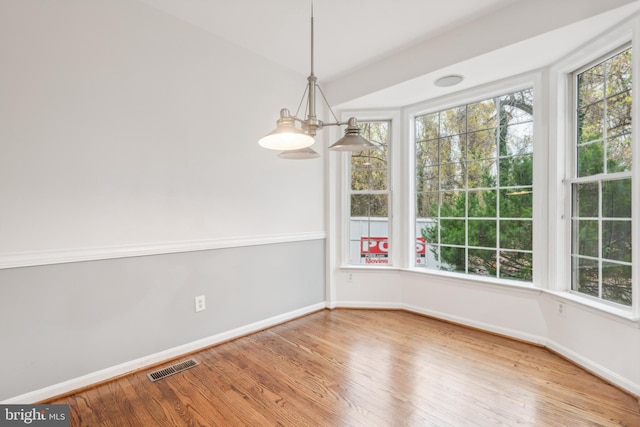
[295,142]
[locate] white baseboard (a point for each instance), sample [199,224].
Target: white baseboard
[153,359]
[534,339]
[368,304]
[127,367]
[587,364]
[596,369]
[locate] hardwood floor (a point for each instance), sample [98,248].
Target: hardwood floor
[363,368]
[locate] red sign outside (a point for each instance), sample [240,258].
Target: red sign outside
[375,250]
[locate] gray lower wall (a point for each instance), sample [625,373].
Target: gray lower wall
[59,322]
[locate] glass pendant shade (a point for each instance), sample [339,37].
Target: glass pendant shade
[352,141]
[286,136]
[299,154]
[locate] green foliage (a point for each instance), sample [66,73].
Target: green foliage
[590,159]
[601,222]
[473,147]
[607,237]
[369,172]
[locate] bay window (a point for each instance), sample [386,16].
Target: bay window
[464,183]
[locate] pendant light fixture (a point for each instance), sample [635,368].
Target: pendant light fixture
[294,141]
[299,154]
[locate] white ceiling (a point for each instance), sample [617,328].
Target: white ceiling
[348,33]
[352,36]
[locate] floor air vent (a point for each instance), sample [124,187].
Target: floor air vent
[170,370]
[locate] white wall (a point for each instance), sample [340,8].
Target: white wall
[367,288]
[120,125]
[124,131]
[605,344]
[67,326]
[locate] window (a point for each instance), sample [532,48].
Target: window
[474,187]
[601,184]
[369,197]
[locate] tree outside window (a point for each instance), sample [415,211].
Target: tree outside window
[369,197]
[474,187]
[601,186]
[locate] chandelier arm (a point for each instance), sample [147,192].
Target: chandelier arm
[334,124]
[304,95]
[328,105]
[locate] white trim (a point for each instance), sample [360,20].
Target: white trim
[393,173]
[539,214]
[635,179]
[35,258]
[583,362]
[137,364]
[512,333]
[595,368]
[408,216]
[370,305]
[153,359]
[562,136]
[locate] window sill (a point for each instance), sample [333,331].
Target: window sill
[371,267]
[458,278]
[473,280]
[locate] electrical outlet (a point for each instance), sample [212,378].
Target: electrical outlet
[200,304]
[349,277]
[562,309]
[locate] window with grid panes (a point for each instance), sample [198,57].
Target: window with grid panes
[369,197]
[474,187]
[601,192]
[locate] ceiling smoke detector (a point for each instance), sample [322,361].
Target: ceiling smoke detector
[448,81]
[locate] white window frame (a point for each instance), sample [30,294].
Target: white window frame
[573,175]
[562,146]
[526,81]
[393,117]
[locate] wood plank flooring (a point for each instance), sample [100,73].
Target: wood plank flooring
[363,368]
